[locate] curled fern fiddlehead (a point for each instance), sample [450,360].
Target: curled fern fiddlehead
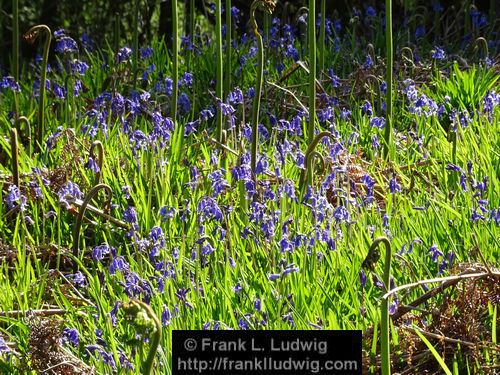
[78,224]
[369,264]
[142,316]
[97,145]
[307,173]
[23,120]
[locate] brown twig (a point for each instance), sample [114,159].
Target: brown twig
[43,312]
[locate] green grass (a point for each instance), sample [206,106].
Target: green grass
[324,289]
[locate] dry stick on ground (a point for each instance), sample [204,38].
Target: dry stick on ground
[448,281]
[462,276]
[451,340]
[42,312]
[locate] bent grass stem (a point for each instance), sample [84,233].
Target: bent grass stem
[78,224]
[24,120]
[15,156]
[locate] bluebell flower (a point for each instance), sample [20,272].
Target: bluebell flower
[92,165]
[288,317]
[123,54]
[250,93]
[146,52]
[207,249]
[66,45]
[237,288]
[156,234]
[14,196]
[78,279]
[209,209]
[385,221]
[257,305]
[118,264]
[166,316]
[366,108]
[130,215]
[124,361]
[100,251]
[291,52]
[289,270]
[206,114]
[438,54]
[435,253]
[68,190]
[184,103]
[376,281]
[274,276]
[71,335]
[370,11]
[218,181]
[243,324]
[377,122]
[454,168]
[285,245]
[345,114]
[394,186]
[4,348]
[87,42]
[235,97]
[186,80]
[368,62]
[10,83]
[420,31]
[77,87]
[341,214]
[393,307]
[59,33]
[362,278]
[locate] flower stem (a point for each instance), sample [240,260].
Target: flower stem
[388,77]
[311,24]
[218,51]
[322,33]
[268,7]
[15,156]
[135,56]
[23,120]
[175,60]
[229,48]
[31,35]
